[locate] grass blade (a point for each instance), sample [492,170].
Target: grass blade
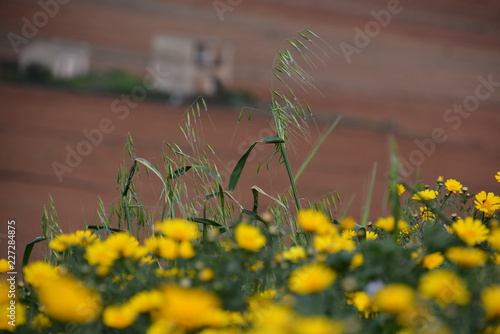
[29,248]
[366,208]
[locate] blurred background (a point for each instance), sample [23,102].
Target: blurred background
[78,76]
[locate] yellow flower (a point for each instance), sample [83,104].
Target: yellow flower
[80,238]
[206,275]
[311,278]
[41,321]
[357,260]
[249,237]
[387,224]
[467,257]
[67,299]
[188,308]
[394,298]
[4,266]
[497,176]
[427,214]
[333,244]
[494,238]
[348,234]
[453,185]
[101,255]
[186,250]
[425,195]
[123,243]
[178,229]
[318,325]
[370,235]
[445,287]
[313,221]
[487,202]
[272,318]
[401,189]
[62,242]
[362,301]
[5,321]
[470,230]
[36,273]
[295,254]
[347,223]
[490,299]
[163,247]
[118,316]
[440,179]
[432,261]
[145,301]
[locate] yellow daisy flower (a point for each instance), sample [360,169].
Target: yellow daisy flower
[347,223]
[453,185]
[311,278]
[387,224]
[497,176]
[187,308]
[178,229]
[119,316]
[67,299]
[426,195]
[4,266]
[249,237]
[466,257]
[318,325]
[394,298]
[489,298]
[313,221]
[401,189]
[432,261]
[487,202]
[445,287]
[494,238]
[470,230]
[295,254]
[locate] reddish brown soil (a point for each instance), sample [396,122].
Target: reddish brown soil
[426,60]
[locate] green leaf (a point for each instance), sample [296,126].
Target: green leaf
[205,221]
[238,169]
[178,172]
[254,216]
[29,248]
[153,169]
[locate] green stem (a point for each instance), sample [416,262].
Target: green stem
[290,175]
